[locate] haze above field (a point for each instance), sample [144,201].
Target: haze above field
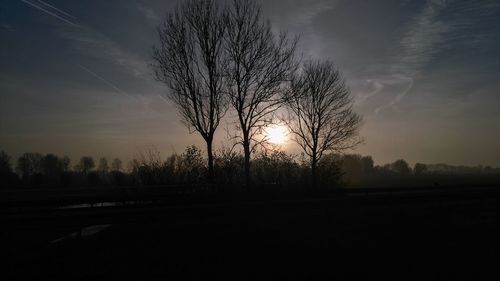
[74,76]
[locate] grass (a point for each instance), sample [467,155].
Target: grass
[447,235]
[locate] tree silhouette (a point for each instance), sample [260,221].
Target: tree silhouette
[51,166]
[117,165]
[192,166]
[229,166]
[401,167]
[7,177]
[28,164]
[259,64]
[103,166]
[5,165]
[352,167]
[86,164]
[190,61]
[321,113]
[420,168]
[367,164]
[65,163]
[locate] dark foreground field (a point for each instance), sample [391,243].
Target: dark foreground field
[424,234]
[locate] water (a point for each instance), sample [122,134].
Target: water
[82,233]
[104,204]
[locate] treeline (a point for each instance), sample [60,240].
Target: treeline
[150,169]
[275,169]
[359,171]
[35,169]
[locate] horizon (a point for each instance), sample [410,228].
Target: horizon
[74,161]
[75,78]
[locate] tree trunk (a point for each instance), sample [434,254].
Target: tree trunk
[314,175]
[210,177]
[246,150]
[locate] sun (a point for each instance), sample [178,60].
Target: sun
[276,134]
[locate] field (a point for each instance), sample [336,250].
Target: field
[361,234]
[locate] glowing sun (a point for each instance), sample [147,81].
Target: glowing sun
[276,134]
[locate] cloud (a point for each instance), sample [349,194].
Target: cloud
[8,27]
[305,13]
[439,27]
[299,17]
[422,41]
[298,13]
[149,13]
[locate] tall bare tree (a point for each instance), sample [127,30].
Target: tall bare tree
[322,118]
[189,60]
[259,64]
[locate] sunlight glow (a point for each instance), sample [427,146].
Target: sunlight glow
[276,134]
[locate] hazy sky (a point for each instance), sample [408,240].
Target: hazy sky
[74,75]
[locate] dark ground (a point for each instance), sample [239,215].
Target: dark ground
[425,234]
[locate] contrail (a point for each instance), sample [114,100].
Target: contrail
[398,98]
[57,9]
[105,81]
[49,12]
[378,87]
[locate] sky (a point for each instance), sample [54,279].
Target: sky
[425,75]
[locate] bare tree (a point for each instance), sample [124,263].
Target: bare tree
[86,164]
[190,61]
[29,164]
[103,166]
[322,118]
[5,165]
[259,64]
[50,166]
[116,165]
[65,163]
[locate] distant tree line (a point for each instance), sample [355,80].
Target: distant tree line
[270,169]
[50,170]
[359,171]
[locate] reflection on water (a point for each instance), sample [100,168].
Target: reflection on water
[105,204]
[93,229]
[82,233]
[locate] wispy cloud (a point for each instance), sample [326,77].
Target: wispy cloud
[430,34]
[149,13]
[53,11]
[423,40]
[306,11]
[300,18]
[299,13]
[8,27]
[421,43]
